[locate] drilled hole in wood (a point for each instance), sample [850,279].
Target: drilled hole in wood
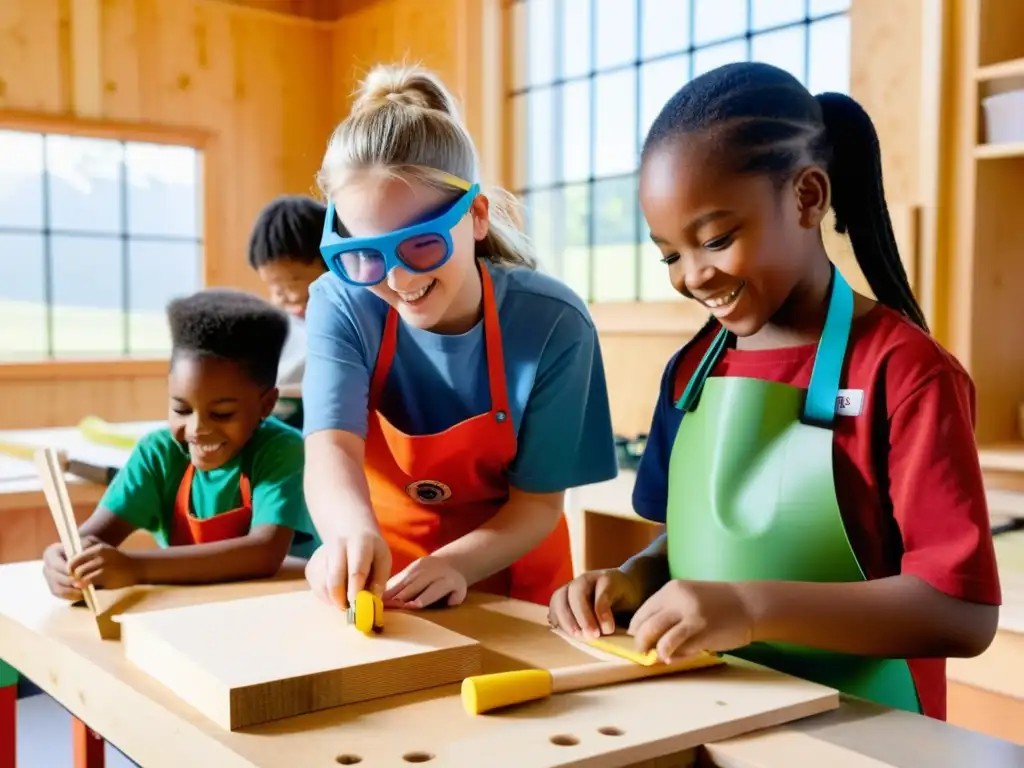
[610,730]
[564,740]
[721,703]
[348,759]
[417,757]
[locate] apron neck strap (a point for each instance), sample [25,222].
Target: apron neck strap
[492,346]
[820,401]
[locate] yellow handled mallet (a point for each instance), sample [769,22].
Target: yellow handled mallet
[484,693]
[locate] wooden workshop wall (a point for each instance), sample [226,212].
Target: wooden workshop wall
[257,83]
[269,103]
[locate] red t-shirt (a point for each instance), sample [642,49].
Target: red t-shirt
[907,474]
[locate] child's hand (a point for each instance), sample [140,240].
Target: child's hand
[340,568]
[103,566]
[584,606]
[684,618]
[55,571]
[424,582]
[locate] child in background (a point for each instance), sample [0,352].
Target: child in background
[220,488]
[284,249]
[812,452]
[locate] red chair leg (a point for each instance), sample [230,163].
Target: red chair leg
[89,747]
[8,726]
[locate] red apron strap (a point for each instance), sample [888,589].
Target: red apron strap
[385,355]
[246,488]
[492,339]
[183,499]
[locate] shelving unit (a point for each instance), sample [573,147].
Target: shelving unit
[986,282]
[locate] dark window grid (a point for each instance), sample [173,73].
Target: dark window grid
[747,37]
[126,238]
[637,65]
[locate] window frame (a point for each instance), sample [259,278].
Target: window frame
[181,136]
[660,317]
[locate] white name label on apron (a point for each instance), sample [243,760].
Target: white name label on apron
[849,402]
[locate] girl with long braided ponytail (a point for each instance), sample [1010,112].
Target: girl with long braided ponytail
[812,451]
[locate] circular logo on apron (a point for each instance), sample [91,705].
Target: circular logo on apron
[429,491]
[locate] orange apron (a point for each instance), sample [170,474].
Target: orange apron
[186,528]
[428,490]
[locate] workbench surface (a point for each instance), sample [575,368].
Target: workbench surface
[56,647]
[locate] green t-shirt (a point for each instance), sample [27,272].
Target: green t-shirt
[144,490]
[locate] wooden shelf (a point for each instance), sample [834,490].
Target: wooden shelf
[1003,69]
[997,151]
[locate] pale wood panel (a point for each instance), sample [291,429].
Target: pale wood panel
[393,31]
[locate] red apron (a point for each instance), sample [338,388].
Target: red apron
[186,528]
[428,490]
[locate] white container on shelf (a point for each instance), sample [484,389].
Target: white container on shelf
[1004,117]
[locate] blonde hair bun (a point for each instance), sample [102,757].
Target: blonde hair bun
[404,85]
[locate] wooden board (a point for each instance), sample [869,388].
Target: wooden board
[250,661]
[56,492]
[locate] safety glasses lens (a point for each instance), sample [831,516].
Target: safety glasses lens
[424,252]
[364,266]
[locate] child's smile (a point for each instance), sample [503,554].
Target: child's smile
[204,451]
[721,302]
[214,408]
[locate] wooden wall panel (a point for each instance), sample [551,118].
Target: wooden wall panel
[259,84]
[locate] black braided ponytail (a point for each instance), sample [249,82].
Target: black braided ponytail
[763,120]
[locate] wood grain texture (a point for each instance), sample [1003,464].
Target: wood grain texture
[251,661]
[618,725]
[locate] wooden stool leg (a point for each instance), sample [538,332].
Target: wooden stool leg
[8,716]
[89,747]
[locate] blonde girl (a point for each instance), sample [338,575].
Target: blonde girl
[452,392]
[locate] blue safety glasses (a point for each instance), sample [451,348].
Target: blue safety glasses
[421,247]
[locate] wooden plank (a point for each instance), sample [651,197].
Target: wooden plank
[56,492]
[239,668]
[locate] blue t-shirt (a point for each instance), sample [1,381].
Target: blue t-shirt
[553,368]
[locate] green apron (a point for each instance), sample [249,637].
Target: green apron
[751,496]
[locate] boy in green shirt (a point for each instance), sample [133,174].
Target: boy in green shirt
[284,250]
[220,488]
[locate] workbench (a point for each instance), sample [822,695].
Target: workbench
[985,693]
[57,647]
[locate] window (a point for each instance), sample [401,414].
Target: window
[96,235]
[591,77]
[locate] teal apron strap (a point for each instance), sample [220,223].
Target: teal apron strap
[691,394]
[820,403]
